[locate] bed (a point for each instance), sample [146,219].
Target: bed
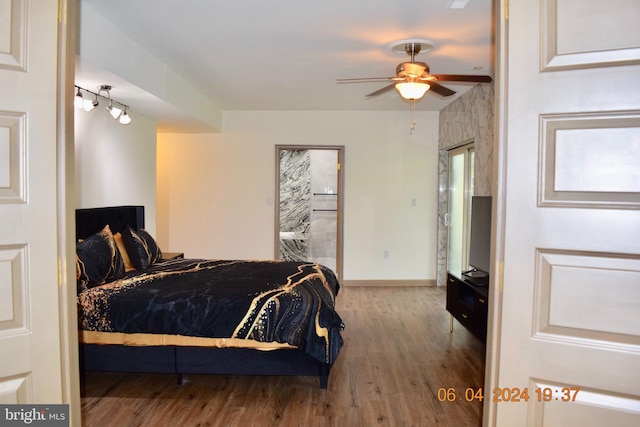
[138,312]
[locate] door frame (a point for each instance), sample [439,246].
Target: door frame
[465,148]
[340,202]
[498,209]
[67,290]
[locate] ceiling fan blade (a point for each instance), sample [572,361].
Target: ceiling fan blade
[440,90]
[463,78]
[366,79]
[380,91]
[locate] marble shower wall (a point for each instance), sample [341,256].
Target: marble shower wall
[467,119]
[295,203]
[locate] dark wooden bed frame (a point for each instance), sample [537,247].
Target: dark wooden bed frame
[179,359]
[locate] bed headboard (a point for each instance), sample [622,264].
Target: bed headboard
[91,221]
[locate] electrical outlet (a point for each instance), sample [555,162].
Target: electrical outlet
[385,254]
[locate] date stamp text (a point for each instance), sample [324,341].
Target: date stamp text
[509,394]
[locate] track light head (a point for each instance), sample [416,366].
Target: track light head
[114,111]
[89,105]
[124,117]
[78,101]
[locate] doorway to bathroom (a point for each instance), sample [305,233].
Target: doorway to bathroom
[309,204]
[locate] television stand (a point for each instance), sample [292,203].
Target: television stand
[467,302]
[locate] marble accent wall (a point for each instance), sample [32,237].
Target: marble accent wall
[467,119]
[295,204]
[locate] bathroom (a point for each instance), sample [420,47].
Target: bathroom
[309,206]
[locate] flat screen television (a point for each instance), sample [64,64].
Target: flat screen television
[480,237]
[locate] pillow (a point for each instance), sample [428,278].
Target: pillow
[98,260]
[154,249]
[141,247]
[128,266]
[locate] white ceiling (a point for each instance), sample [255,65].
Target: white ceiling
[287,54]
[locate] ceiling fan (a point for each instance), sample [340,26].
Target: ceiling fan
[413,79]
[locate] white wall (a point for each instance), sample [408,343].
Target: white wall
[115,164]
[103,46]
[216,191]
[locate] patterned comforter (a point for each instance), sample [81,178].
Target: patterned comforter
[231,303]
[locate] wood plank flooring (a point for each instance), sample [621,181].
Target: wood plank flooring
[398,353]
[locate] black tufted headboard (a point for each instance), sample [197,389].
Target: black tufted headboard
[92,220]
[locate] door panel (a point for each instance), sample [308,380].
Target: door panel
[568,241]
[575,170]
[30,361]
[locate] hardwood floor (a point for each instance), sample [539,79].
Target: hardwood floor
[398,353]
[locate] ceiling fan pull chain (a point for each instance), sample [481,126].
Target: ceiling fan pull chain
[412,120]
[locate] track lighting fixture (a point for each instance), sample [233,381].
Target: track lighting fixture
[118,110]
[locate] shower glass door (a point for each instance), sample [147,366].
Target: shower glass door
[309,205]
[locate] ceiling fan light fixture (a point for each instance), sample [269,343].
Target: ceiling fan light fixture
[412,90]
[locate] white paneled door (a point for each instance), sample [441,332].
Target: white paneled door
[565,325]
[30,353]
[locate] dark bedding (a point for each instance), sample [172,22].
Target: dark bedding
[263,301]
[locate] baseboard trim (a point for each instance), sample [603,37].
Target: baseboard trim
[425,282]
